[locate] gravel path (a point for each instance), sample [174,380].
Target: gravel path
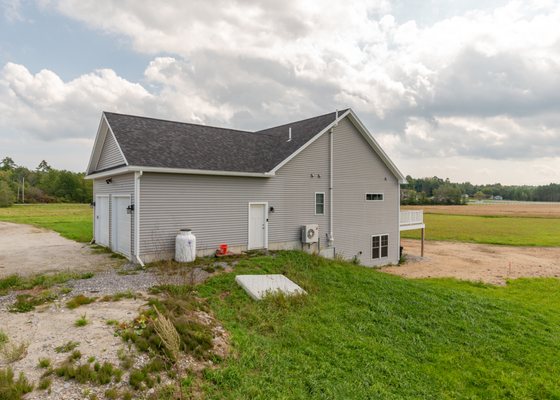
[129,278]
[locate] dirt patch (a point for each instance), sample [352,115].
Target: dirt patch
[533,210]
[27,250]
[52,325]
[477,262]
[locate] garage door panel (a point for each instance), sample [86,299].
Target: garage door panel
[102,220]
[121,225]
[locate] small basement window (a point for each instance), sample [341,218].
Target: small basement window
[374,196]
[319,203]
[379,246]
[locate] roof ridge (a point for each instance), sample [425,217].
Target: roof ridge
[227,129]
[177,122]
[340,112]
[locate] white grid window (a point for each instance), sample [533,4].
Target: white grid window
[319,203]
[374,196]
[379,246]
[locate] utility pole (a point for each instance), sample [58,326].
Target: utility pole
[23,191]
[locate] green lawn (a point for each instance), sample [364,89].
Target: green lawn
[73,221]
[491,230]
[362,334]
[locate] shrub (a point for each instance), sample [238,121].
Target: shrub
[67,347]
[13,352]
[13,389]
[44,383]
[79,300]
[82,321]
[3,339]
[44,362]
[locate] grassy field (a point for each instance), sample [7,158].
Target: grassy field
[73,221]
[491,230]
[363,334]
[510,209]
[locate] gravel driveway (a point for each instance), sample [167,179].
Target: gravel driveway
[28,250]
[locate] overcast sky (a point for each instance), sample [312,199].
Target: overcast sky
[468,90]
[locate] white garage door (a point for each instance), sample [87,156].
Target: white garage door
[121,225]
[102,220]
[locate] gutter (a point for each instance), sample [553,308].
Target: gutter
[137,176]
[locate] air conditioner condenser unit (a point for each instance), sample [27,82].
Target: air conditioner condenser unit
[310,233]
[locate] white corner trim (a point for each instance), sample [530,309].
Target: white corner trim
[137,176]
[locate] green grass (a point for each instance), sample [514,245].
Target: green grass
[363,334]
[73,221]
[17,282]
[490,230]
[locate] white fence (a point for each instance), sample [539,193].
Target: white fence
[412,217]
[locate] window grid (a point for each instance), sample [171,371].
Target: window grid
[379,246]
[374,196]
[319,203]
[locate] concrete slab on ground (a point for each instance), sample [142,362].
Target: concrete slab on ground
[259,286]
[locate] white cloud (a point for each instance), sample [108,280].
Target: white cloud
[481,84]
[42,105]
[11,10]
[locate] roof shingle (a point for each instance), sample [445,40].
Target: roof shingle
[149,142]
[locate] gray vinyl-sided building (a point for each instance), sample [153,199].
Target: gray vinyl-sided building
[249,190]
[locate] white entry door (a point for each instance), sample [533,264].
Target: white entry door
[102,220]
[121,225]
[258,226]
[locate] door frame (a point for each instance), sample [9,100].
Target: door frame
[96,224]
[265,203]
[114,223]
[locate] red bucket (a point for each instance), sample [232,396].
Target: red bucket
[223,249]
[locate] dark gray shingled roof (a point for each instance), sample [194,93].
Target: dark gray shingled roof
[149,142]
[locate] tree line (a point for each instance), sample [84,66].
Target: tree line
[43,184]
[436,190]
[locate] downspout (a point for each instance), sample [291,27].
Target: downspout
[330,236]
[137,176]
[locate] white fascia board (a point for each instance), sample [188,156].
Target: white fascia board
[95,152]
[122,170]
[377,148]
[309,142]
[108,173]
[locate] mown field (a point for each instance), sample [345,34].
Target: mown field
[363,334]
[509,209]
[504,224]
[73,221]
[536,225]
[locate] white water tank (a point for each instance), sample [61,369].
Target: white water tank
[185,246]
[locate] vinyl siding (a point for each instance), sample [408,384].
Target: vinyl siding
[120,185]
[216,208]
[110,155]
[357,171]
